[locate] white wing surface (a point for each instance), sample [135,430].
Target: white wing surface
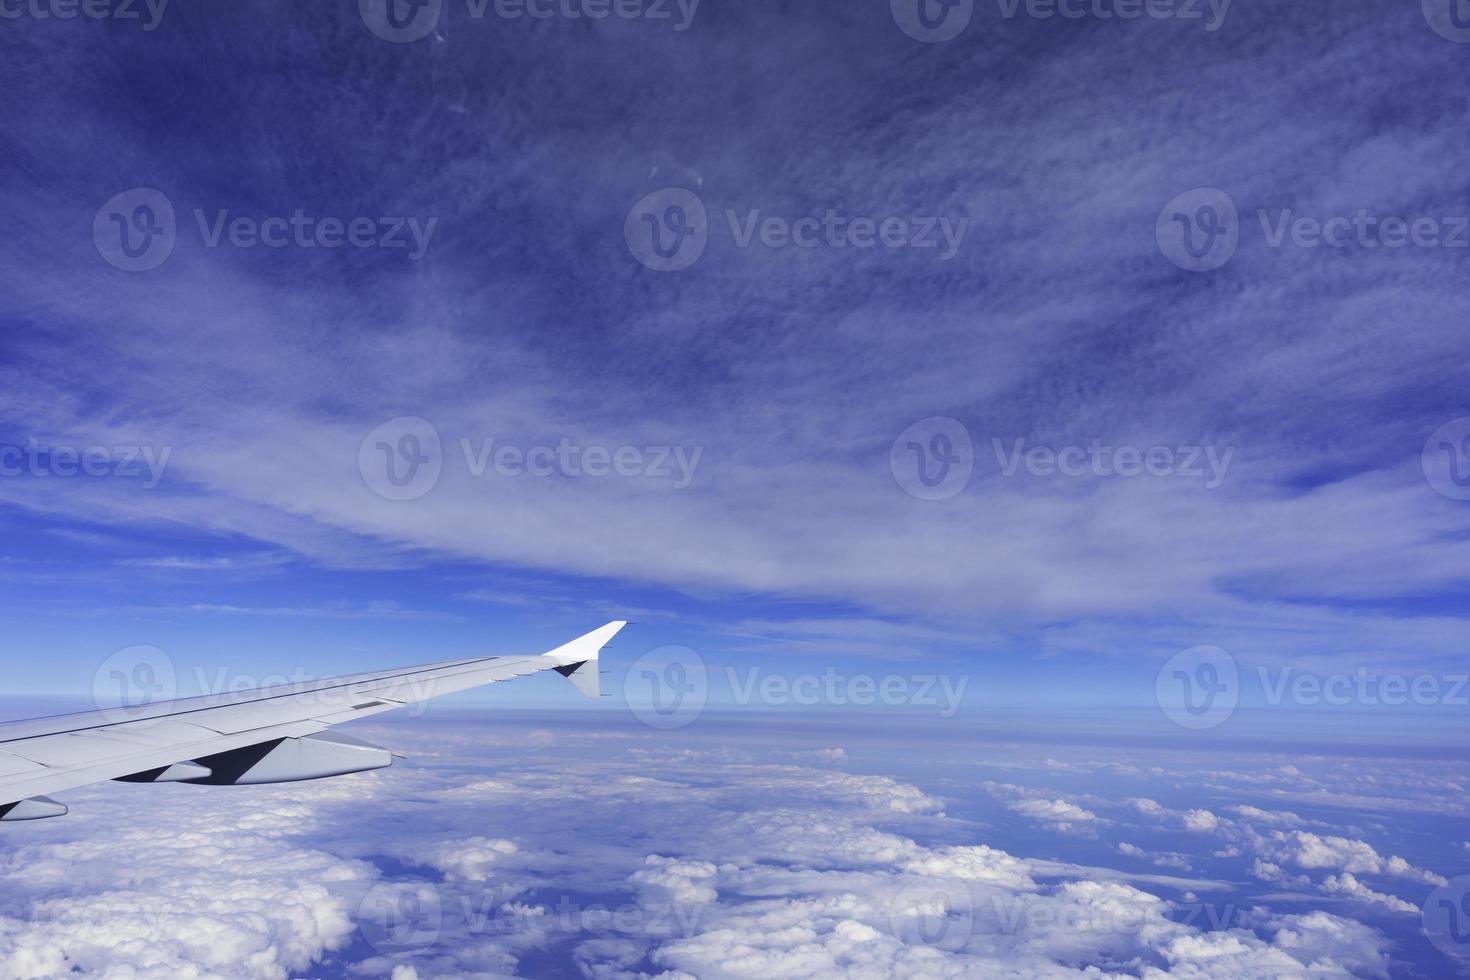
[267,735]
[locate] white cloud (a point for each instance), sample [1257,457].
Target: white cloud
[1201,821]
[1166,859]
[1329,852]
[226,890]
[1052,811]
[1347,884]
[470,859]
[1279,818]
[678,882]
[1149,808]
[769,870]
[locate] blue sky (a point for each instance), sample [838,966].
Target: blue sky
[787,377]
[1078,373]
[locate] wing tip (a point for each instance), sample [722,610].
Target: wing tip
[587,646]
[577,661]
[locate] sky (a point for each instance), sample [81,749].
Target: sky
[1030,373]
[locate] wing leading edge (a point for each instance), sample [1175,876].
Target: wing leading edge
[266,735]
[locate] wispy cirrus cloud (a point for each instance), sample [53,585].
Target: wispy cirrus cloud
[263,371]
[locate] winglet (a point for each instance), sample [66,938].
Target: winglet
[577,660]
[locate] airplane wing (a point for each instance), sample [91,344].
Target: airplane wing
[266,735]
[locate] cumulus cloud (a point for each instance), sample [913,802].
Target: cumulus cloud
[675,881]
[1201,821]
[1149,808]
[470,859]
[228,889]
[1165,859]
[675,864]
[1347,885]
[1059,813]
[1279,818]
[1320,937]
[1321,852]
